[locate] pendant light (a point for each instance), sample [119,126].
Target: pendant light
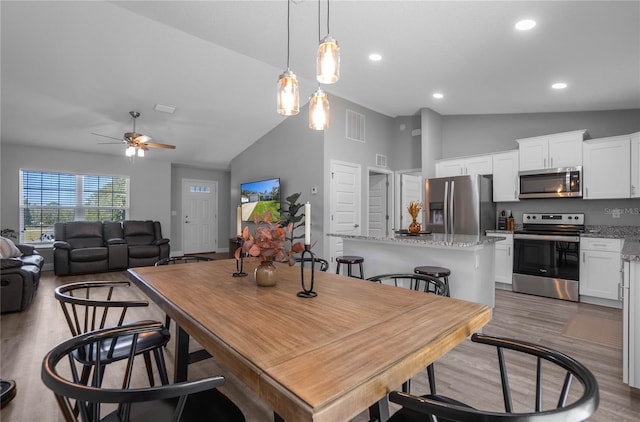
[319,110]
[288,96]
[328,60]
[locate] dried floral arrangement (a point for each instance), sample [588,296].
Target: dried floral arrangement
[268,241]
[414,208]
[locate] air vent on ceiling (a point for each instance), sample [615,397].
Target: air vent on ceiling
[381,160]
[355,126]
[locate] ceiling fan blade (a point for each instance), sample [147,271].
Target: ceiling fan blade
[107,136]
[111,143]
[154,145]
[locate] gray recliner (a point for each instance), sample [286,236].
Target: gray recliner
[20,279]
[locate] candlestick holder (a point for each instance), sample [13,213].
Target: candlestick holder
[307,293]
[239,262]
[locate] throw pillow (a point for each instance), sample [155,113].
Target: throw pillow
[8,249]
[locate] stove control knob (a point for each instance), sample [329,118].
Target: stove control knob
[528,217]
[534,217]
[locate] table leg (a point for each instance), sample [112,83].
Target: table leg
[380,411]
[181,358]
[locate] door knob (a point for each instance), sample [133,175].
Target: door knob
[356,225]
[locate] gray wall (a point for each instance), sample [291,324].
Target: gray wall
[407,151]
[468,135]
[292,152]
[432,141]
[150,180]
[180,172]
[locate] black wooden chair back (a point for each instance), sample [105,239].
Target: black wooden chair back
[419,282]
[123,400]
[324,264]
[94,305]
[561,402]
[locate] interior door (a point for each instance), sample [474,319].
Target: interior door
[378,215]
[410,190]
[199,216]
[345,204]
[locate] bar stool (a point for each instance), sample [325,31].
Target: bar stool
[437,272]
[350,260]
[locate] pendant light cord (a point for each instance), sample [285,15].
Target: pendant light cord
[288,30]
[328,31]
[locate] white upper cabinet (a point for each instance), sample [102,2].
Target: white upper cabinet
[478,164]
[551,151]
[606,172]
[505,176]
[635,165]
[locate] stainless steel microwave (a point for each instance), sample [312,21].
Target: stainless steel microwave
[565,182]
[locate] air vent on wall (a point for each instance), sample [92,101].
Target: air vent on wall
[355,126]
[381,160]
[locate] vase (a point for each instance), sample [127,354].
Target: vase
[414,227]
[265,274]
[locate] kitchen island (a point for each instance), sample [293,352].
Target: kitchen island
[470,259]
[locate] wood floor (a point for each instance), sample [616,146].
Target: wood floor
[463,373]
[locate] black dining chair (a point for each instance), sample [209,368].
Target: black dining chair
[561,401]
[185,259]
[424,283]
[94,305]
[81,400]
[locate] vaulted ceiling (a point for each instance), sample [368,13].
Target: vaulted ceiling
[72,68]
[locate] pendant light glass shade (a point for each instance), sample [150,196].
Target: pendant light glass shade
[319,110]
[130,152]
[328,61]
[140,152]
[288,95]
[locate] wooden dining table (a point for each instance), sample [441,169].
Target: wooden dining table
[326,358]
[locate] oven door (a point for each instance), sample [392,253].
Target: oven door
[547,265]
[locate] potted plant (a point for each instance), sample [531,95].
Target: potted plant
[268,242]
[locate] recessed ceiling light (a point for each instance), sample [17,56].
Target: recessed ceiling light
[164,108]
[559,85]
[525,24]
[438,95]
[375,57]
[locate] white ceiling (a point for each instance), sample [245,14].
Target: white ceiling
[72,68]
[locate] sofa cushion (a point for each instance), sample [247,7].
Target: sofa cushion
[8,249]
[139,232]
[6,263]
[84,234]
[143,251]
[88,254]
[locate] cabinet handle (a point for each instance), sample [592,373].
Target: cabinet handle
[620,292]
[509,251]
[586,192]
[545,163]
[633,190]
[551,162]
[583,257]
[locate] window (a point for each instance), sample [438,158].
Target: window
[47,198]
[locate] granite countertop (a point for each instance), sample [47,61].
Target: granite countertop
[613,232]
[434,239]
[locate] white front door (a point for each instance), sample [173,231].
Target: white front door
[345,204]
[378,215]
[410,190]
[199,216]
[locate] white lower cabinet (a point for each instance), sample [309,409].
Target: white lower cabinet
[600,267]
[503,258]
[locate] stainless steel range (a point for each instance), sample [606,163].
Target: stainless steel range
[546,261]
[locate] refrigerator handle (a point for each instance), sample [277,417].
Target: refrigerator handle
[453,185]
[446,207]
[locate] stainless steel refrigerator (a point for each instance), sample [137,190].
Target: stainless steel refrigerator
[460,205]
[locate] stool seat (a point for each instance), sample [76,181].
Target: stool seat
[437,272]
[433,271]
[350,260]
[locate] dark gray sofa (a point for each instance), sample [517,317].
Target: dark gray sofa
[83,247]
[20,279]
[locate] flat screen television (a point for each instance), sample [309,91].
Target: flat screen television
[259,197]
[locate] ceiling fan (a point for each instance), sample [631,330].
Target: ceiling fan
[137,143]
